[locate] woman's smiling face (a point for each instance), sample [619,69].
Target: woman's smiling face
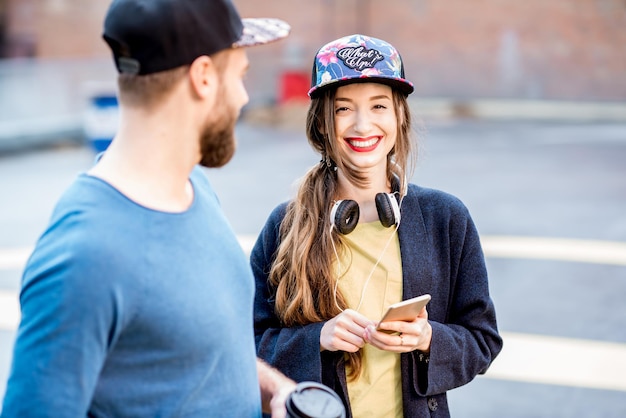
[365,124]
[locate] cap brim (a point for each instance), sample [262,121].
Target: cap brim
[259,31]
[400,84]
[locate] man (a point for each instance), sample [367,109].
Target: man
[137,301]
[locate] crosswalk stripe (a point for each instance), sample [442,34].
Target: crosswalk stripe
[561,361]
[559,249]
[526,357]
[9,310]
[14,258]
[577,250]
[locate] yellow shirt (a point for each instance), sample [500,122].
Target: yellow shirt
[378,390]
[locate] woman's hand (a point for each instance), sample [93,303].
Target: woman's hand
[401,336]
[344,332]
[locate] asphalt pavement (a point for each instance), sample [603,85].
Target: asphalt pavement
[548,198]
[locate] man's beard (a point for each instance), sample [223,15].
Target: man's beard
[217,143]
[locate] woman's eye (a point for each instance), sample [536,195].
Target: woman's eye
[341,109]
[379,106]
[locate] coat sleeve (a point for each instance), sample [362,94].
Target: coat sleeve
[465,337]
[287,349]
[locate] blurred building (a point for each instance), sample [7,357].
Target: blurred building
[533,49]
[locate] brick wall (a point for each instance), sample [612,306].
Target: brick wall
[535,49]
[55,28]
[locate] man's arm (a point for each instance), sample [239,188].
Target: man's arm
[68,314]
[275,388]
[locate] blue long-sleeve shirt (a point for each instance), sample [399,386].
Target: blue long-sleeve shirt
[131,312]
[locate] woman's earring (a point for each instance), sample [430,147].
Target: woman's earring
[328,162]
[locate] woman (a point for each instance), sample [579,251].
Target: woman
[357,238]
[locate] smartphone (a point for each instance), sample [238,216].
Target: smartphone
[407,310]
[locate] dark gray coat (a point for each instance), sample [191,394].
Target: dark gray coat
[442,256]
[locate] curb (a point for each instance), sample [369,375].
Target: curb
[22,135]
[526,110]
[292,115]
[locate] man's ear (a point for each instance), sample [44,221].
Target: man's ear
[203,76]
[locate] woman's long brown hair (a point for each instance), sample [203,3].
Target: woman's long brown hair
[303,272]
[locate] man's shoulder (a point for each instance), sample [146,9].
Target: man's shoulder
[86,220]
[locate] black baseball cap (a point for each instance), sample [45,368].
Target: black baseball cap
[148,36]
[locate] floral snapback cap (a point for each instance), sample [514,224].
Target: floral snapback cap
[357,58]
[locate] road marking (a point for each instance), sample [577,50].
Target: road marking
[247,242]
[561,361]
[14,258]
[583,251]
[9,310]
[525,357]
[559,249]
